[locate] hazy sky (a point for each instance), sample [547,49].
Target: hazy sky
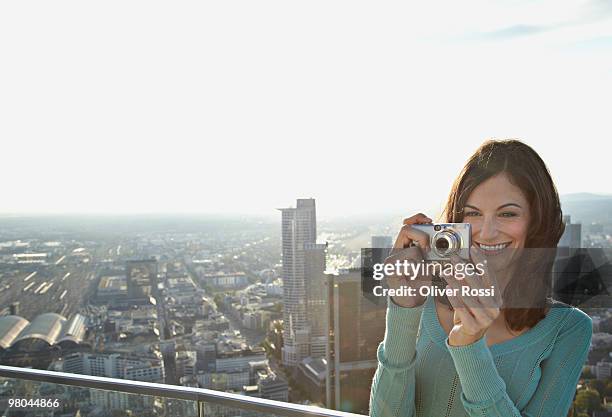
[243,106]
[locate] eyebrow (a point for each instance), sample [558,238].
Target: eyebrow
[499,208]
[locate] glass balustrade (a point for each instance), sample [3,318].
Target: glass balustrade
[38,393]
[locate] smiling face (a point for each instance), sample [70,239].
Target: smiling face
[499,214]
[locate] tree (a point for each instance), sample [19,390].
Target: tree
[588,400]
[586,373]
[609,389]
[218,298]
[598,385]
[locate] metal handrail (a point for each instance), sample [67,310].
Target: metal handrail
[200,395]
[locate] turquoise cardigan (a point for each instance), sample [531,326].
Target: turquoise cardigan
[533,375]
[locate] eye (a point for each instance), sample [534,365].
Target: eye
[471,213]
[508,214]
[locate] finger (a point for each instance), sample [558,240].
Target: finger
[476,254]
[418,218]
[459,280]
[466,319]
[454,300]
[484,316]
[404,240]
[454,296]
[473,315]
[479,258]
[461,289]
[446,274]
[488,278]
[409,254]
[408,235]
[475,320]
[401,241]
[455,261]
[468,278]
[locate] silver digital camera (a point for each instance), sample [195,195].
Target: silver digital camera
[447,239]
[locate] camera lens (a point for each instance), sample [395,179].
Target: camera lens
[442,244]
[445,243]
[437,227]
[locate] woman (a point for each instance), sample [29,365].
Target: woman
[517,353]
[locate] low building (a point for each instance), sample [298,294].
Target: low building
[45,331]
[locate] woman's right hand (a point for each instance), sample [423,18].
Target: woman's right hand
[403,250]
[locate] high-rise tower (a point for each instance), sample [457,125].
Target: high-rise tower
[316,297]
[356,328]
[299,231]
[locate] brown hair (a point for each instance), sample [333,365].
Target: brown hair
[526,170]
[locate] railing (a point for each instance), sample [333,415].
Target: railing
[175,399]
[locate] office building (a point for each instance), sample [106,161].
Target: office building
[114,365]
[298,228]
[356,328]
[141,278]
[316,297]
[571,240]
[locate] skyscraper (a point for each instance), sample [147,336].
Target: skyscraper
[571,239]
[356,328]
[316,296]
[299,228]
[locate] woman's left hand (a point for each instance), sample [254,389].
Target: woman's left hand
[473,314]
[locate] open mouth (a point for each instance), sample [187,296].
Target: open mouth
[493,249]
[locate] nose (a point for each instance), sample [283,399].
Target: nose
[488,229]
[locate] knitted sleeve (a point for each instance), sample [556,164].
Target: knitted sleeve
[484,391]
[392,393]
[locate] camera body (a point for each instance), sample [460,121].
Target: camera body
[447,239]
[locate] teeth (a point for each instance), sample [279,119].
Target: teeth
[493,247]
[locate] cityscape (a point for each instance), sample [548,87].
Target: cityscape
[197,195]
[271,308]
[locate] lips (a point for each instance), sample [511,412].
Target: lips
[493,249]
